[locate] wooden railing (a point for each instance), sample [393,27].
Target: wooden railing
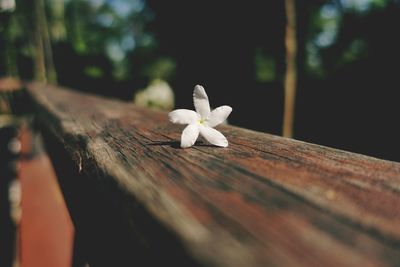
[137,199]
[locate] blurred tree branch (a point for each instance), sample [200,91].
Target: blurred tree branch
[57,28]
[44,65]
[291,70]
[8,55]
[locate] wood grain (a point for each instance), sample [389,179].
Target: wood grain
[263,201]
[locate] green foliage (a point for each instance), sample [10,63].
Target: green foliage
[118,32]
[329,46]
[93,71]
[264,67]
[162,68]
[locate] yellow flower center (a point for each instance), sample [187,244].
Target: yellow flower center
[201,121]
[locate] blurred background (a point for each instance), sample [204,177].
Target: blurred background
[347,62]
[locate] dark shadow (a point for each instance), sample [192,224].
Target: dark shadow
[205,145]
[177,144]
[173,144]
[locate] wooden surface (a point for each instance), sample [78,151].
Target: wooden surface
[46,231]
[134,195]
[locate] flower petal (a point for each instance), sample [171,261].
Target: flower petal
[219,115]
[213,136]
[183,116]
[189,135]
[201,103]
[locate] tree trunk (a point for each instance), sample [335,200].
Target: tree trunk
[44,66]
[291,71]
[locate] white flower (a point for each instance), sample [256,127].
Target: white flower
[158,95]
[202,121]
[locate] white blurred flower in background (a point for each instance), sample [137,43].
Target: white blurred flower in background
[7,5]
[158,95]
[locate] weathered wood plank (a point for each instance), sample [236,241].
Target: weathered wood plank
[263,201]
